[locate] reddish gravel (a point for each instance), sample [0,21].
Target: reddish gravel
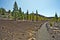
[10,29]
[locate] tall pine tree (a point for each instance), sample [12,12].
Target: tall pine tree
[56,17]
[36,15]
[15,10]
[32,16]
[20,14]
[15,6]
[27,14]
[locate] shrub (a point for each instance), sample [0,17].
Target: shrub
[50,24]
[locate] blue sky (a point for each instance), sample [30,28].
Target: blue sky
[44,7]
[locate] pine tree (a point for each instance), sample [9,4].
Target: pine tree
[32,16]
[36,15]
[15,10]
[15,6]
[56,17]
[2,11]
[20,10]
[20,14]
[27,14]
[9,13]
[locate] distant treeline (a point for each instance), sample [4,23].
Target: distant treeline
[18,14]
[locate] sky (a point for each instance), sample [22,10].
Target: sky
[44,7]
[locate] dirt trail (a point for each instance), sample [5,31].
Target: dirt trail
[42,33]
